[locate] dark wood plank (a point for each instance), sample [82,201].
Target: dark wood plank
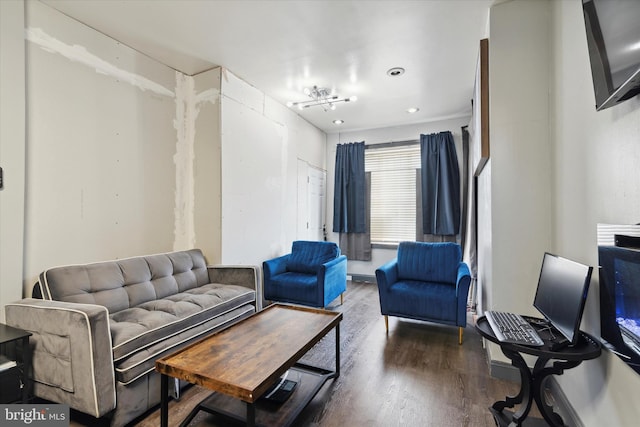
[415,375]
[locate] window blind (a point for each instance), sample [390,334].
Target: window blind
[393,191]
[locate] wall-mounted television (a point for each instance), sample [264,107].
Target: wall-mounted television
[613,38]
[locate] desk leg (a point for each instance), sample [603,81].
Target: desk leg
[540,376]
[164,400]
[524,396]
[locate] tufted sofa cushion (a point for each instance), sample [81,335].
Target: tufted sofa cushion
[307,257]
[429,262]
[142,326]
[140,361]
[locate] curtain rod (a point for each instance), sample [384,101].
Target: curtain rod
[392,144]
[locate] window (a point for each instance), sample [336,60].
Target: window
[393,191]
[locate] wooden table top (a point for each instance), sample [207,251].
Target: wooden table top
[243,360]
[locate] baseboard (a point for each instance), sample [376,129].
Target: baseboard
[363,278]
[555,395]
[504,371]
[562,404]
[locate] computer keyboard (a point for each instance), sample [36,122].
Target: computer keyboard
[512,328]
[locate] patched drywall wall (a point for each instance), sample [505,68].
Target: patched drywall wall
[261,144]
[197,162]
[207,174]
[183,160]
[79,54]
[126,157]
[100,171]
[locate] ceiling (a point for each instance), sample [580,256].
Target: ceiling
[281,47]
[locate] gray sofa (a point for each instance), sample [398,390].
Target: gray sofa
[99,328]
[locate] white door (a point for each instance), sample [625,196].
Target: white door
[311,202]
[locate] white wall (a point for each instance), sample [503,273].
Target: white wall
[521,181]
[12,149]
[557,168]
[484,240]
[378,136]
[515,188]
[597,171]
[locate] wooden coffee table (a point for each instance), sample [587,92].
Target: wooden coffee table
[241,362]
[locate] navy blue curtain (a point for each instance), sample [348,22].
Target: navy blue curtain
[349,201]
[440,184]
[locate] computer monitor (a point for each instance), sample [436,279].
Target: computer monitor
[562,293]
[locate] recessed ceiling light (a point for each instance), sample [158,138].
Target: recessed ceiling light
[338,122]
[395,71]
[412,110]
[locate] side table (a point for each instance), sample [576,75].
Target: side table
[532,381]
[10,336]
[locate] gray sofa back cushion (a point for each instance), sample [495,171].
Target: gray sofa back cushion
[126,283]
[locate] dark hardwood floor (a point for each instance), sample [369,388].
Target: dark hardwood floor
[417,375]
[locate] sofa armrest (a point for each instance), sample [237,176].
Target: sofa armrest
[72,359]
[462,291]
[241,275]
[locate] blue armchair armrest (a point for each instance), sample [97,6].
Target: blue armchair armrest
[332,277]
[387,274]
[462,290]
[275,266]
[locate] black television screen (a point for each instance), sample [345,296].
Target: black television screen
[613,38]
[562,293]
[620,300]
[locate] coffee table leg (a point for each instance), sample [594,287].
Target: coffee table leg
[251,415]
[164,401]
[337,350]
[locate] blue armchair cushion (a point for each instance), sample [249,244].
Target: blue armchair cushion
[423,300]
[436,262]
[307,257]
[294,287]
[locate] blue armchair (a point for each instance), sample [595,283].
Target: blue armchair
[426,281]
[313,274]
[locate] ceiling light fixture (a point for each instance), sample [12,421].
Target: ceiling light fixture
[320,96]
[395,71]
[412,110]
[338,122]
